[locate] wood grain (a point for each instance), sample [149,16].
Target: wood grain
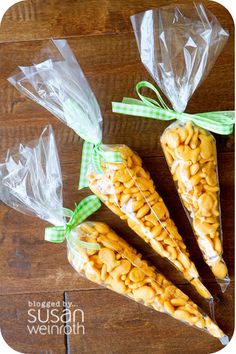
[115,324]
[18,313]
[68,18]
[100,34]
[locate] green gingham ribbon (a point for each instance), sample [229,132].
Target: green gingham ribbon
[85,208]
[217,122]
[93,151]
[95,154]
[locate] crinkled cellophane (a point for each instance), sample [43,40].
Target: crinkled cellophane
[190,152]
[128,190]
[119,267]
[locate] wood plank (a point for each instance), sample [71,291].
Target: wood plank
[101,37]
[114,324]
[111,64]
[55,18]
[28,263]
[17,313]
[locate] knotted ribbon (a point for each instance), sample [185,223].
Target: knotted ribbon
[95,154]
[85,208]
[93,151]
[220,122]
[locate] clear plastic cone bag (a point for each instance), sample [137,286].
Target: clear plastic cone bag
[178,45]
[119,267]
[122,183]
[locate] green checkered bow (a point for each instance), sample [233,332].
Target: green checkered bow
[85,208]
[95,154]
[217,122]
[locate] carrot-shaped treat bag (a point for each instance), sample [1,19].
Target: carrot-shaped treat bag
[114,173]
[179,44]
[31,182]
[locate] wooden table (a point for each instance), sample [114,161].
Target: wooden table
[31,269]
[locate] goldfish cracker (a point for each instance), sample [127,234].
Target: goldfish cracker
[137,201]
[119,267]
[193,165]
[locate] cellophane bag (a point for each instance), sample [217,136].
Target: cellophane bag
[114,173]
[119,267]
[31,182]
[178,45]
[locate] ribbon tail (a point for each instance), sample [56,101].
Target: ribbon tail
[142,110]
[229,115]
[55,234]
[87,151]
[84,209]
[221,122]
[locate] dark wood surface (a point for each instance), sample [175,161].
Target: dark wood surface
[100,34]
